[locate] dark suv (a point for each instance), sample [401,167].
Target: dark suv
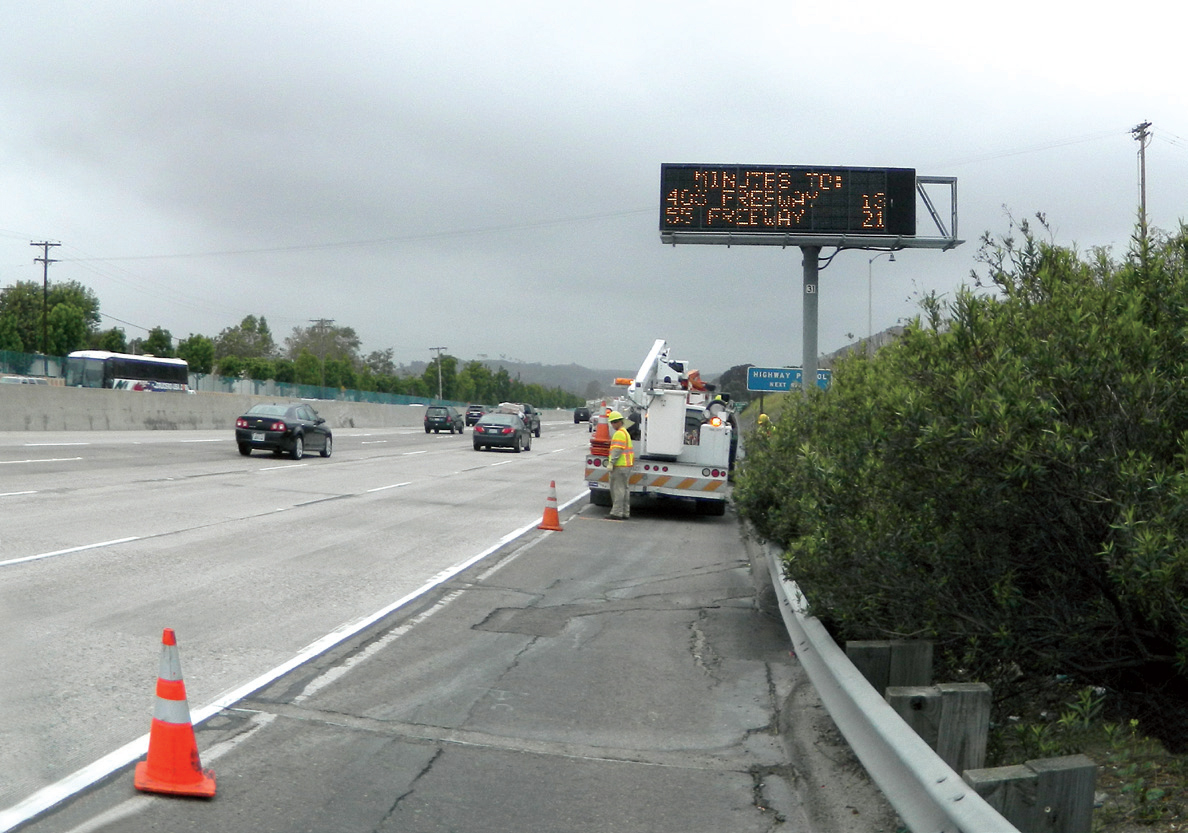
[441,418]
[581,414]
[531,419]
[474,413]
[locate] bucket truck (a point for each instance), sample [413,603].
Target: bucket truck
[684,437]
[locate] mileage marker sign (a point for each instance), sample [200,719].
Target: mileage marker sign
[791,200]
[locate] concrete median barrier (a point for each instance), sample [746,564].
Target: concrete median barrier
[56,408]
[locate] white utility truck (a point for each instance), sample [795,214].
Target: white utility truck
[683,436]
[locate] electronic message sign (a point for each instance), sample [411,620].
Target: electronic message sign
[797,201]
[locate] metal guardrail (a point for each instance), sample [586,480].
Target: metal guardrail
[925,791]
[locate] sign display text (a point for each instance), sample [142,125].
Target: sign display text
[767,199]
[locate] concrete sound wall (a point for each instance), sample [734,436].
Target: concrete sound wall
[54,408]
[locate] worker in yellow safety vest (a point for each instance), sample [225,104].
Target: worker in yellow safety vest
[622,458]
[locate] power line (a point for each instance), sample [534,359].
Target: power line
[379,241]
[1036,148]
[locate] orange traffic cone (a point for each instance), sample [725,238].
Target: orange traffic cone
[600,442]
[172,765]
[602,427]
[551,520]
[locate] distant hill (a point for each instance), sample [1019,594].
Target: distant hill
[585,382]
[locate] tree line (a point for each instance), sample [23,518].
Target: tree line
[64,317]
[1009,478]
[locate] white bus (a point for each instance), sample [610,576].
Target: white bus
[120,371]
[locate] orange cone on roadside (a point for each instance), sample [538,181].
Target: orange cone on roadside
[172,765]
[551,519]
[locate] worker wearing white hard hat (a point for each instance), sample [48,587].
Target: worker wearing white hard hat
[622,459]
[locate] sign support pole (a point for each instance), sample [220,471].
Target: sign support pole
[808,379]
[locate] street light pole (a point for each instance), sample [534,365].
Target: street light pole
[870,295]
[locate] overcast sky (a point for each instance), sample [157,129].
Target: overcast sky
[485,176]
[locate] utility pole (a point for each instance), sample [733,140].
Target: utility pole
[439,349]
[322,324]
[1144,138]
[45,260]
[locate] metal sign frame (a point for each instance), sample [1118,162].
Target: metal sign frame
[811,243]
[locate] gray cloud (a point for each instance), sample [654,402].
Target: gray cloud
[486,176]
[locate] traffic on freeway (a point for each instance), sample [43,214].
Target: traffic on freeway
[109,537]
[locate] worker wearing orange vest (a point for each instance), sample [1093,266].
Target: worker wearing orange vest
[622,458]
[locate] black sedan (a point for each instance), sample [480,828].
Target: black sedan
[502,431]
[294,428]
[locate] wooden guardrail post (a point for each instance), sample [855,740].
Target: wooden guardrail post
[952,718]
[964,726]
[920,708]
[892,662]
[1050,795]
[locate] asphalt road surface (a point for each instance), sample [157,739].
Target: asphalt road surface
[106,538]
[383,641]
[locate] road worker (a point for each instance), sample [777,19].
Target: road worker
[622,459]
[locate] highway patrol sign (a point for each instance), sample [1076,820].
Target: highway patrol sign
[782,379]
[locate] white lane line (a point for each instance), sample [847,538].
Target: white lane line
[211,440]
[43,460]
[294,466]
[411,453]
[393,486]
[55,793]
[331,674]
[13,494]
[139,803]
[83,548]
[44,445]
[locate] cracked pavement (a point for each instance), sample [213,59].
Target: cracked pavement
[610,677]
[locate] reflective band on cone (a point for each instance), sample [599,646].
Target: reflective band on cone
[551,519]
[172,765]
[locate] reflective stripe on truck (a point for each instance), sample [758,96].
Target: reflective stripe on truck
[665,483]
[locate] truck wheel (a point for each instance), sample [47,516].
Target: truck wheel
[600,497]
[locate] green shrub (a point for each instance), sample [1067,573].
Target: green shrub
[1009,478]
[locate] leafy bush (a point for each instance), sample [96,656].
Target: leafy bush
[1009,478]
